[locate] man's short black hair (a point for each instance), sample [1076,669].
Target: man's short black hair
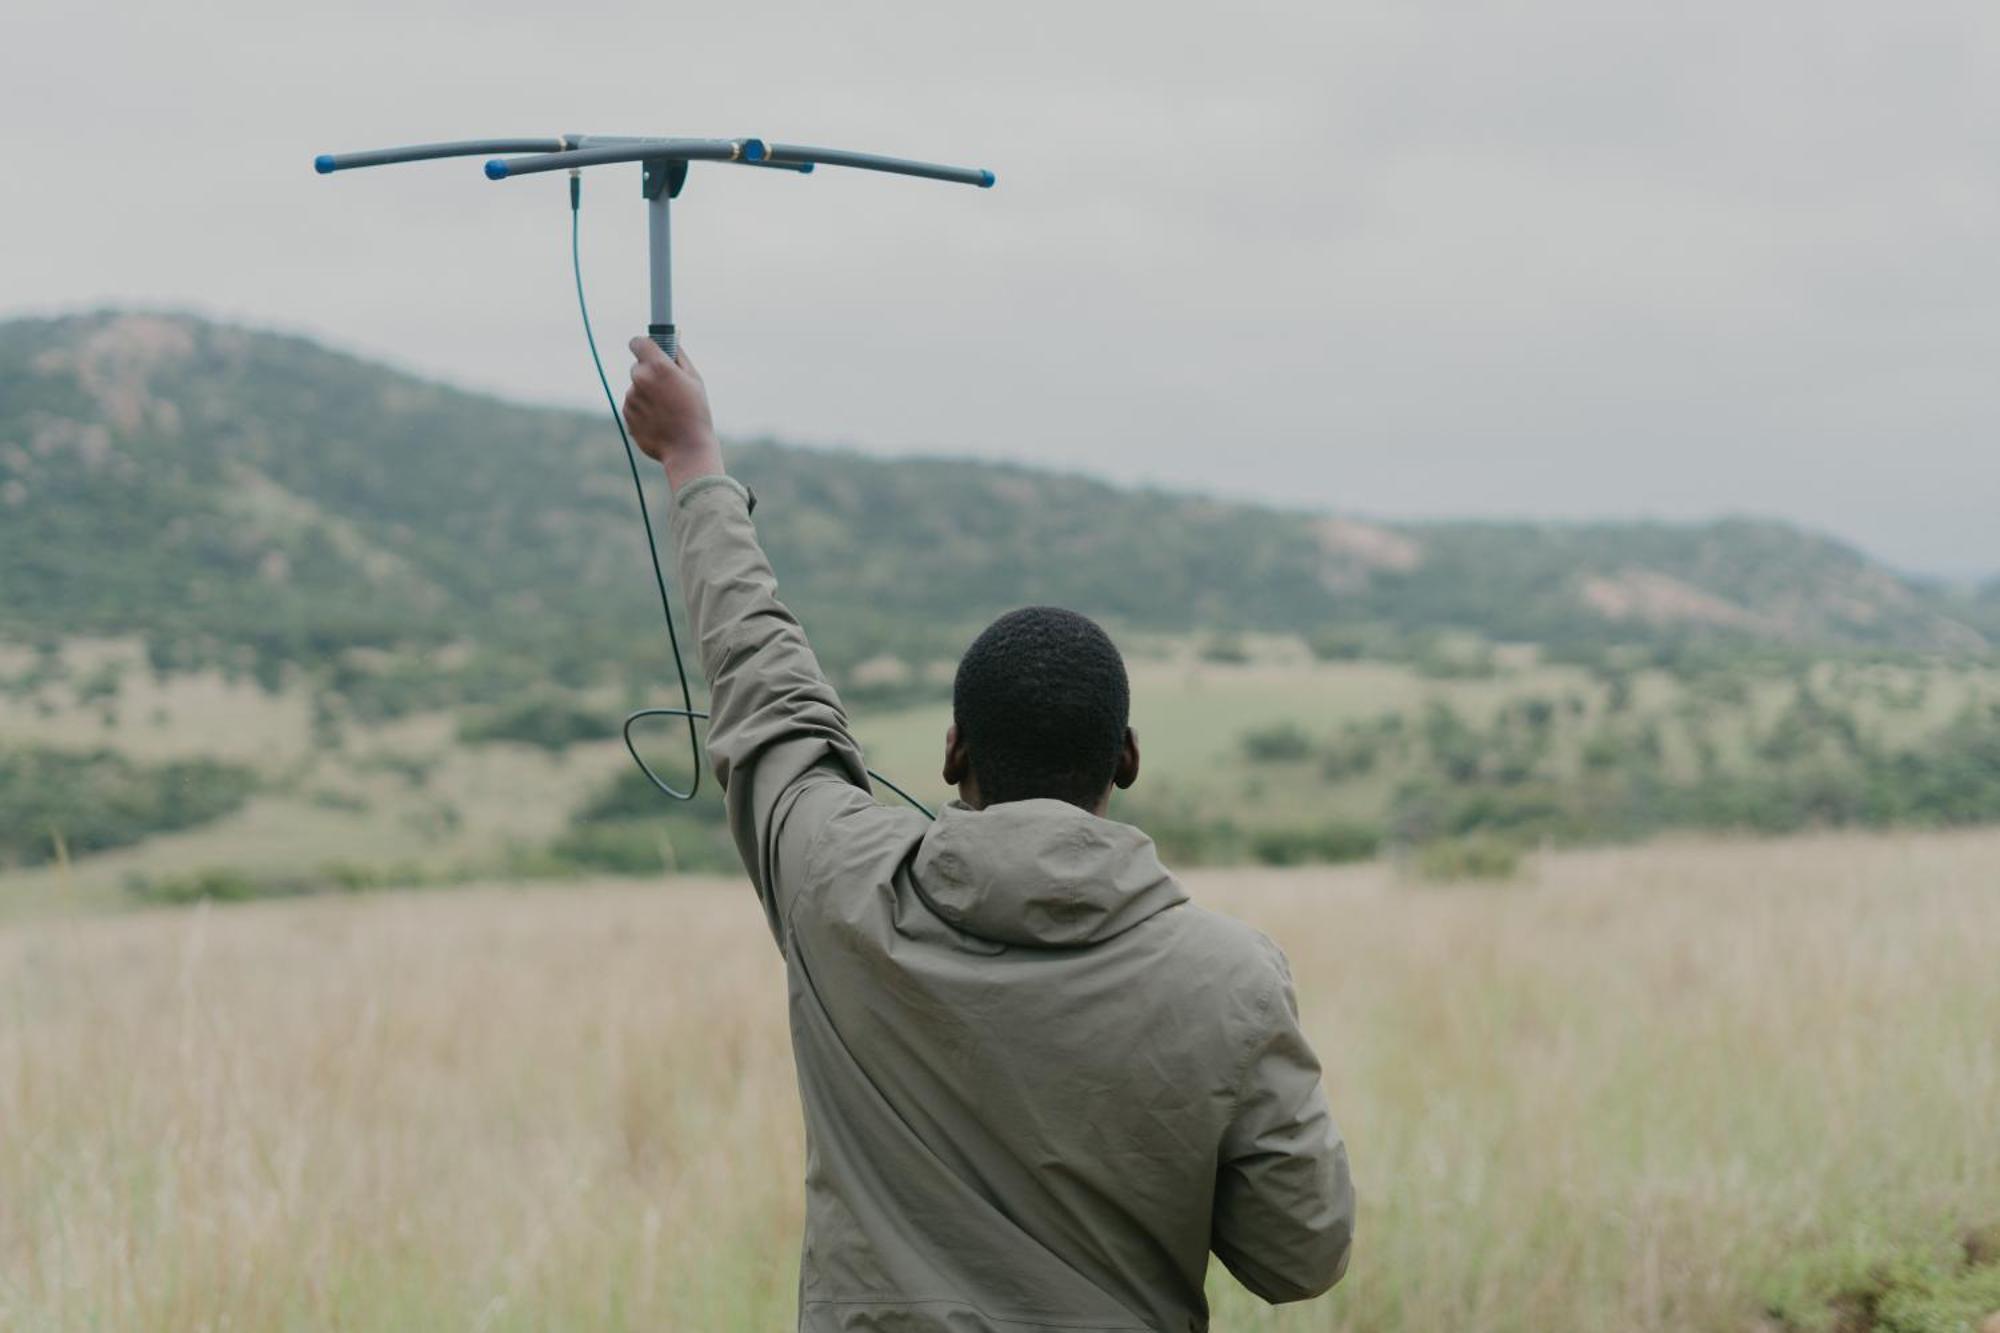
[1041,701]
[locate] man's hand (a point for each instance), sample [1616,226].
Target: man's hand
[667,411]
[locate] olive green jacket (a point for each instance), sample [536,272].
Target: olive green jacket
[1040,1085]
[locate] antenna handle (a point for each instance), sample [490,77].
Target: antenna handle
[632,150]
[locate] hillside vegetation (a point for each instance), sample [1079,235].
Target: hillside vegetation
[274,615]
[235,494]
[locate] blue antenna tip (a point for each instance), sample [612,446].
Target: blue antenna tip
[754,150]
[805,168]
[985,180]
[496,170]
[323,163]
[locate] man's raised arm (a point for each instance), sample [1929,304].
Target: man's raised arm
[777,737]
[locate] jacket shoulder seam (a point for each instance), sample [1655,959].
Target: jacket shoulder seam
[810,876]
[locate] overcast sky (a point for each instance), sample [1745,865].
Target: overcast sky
[1562,258]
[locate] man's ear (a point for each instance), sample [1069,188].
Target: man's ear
[957,766]
[1127,771]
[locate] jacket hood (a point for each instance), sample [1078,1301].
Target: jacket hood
[1042,873]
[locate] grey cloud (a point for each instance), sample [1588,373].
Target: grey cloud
[1552,258]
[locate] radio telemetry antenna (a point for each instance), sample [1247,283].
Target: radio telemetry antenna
[663,171]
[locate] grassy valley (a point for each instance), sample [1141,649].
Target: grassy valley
[1713,1085]
[279,624]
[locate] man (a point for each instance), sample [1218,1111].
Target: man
[1040,1085]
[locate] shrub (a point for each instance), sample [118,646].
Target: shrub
[414,769]
[1183,829]
[1809,727]
[230,884]
[1479,856]
[1446,657]
[632,848]
[1352,756]
[1328,843]
[632,795]
[646,847]
[1454,746]
[1918,1289]
[1226,648]
[1537,713]
[1604,749]
[216,884]
[101,685]
[93,800]
[1349,643]
[550,722]
[1284,743]
[1618,690]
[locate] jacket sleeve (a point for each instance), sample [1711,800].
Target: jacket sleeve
[1284,1202]
[777,738]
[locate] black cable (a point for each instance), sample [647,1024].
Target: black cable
[921,808]
[687,711]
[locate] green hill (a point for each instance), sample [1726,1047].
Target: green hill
[274,619]
[257,500]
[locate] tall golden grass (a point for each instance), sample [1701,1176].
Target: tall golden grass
[1628,1094]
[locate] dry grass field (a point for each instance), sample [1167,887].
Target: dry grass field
[1648,1089]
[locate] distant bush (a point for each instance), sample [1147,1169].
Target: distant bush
[94,800]
[1537,713]
[1284,743]
[632,795]
[655,846]
[1809,726]
[1481,856]
[1352,755]
[1728,689]
[1951,778]
[405,687]
[212,885]
[1328,843]
[1426,810]
[1350,643]
[332,798]
[1617,690]
[1604,748]
[229,884]
[887,694]
[101,685]
[1195,842]
[1338,645]
[1814,767]
[354,876]
[549,722]
[1228,649]
[1187,831]
[1906,698]
[414,769]
[1454,657]
[1454,746]
[629,828]
[628,848]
